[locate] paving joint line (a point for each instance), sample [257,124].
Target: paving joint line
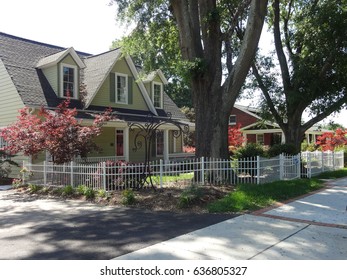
[273,245]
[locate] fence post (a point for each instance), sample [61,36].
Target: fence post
[202,170]
[161,173]
[298,157]
[309,168]
[258,170]
[333,158]
[45,173]
[104,175]
[71,173]
[281,166]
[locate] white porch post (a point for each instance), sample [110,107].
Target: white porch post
[126,143]
[283,140]
[166,145]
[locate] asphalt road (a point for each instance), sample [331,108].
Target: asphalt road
[64,230]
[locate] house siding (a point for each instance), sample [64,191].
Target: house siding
[102,97]
[243,118]
[51,74]
[10,100]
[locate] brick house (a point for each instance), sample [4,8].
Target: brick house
[256,130]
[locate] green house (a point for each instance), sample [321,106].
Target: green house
[35,74]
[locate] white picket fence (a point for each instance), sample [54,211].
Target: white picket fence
[113,175]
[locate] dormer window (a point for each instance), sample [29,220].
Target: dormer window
[157,95]
[69,85]
[121,88]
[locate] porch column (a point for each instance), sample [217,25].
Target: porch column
[126,143]
[283,140]
[166,145]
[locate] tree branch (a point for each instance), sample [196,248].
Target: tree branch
[279,49]
[234,82]
[267,96]
[327,112]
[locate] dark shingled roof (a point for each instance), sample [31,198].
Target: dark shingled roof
[21,57]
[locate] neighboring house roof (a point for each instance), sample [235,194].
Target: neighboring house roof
[261,125]
[25,60]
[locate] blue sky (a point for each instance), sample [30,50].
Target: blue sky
[87,25]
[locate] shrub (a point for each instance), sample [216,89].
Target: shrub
[278,149]
[250,150]
[34,188]
[102,193]
[81,189]
[68,191]
[89,193]
[128,197]
[190,196]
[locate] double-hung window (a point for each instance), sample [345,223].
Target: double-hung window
[157,95]
[69,80]
[121,88]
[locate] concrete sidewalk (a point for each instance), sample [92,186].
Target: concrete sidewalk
[313,227]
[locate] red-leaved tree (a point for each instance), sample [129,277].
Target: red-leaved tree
[58,132]
[235,137]
[328,141]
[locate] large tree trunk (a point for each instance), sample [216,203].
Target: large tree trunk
[211,125]
[201,45]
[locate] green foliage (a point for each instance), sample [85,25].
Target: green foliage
[313,76]
[68,190]
[275,150]
[6,164]
[250,150]
[102,193]
[190,196]
[34,188]
[128,197]
[81,189]
[88,192]
[252,197]
[308,147]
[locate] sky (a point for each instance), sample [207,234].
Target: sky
[87,25]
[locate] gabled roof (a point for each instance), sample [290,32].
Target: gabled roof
[55,58]
[97,68]
[20,57]
[24,60]
[151,76]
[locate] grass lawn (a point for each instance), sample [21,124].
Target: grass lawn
[253,197]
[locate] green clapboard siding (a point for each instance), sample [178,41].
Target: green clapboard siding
[106,94]
[10,100]
[51,74]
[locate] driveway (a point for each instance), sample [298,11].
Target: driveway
[51,229]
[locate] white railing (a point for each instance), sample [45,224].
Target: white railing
[113,175]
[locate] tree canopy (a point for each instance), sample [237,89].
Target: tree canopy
[217,43]
[308,70]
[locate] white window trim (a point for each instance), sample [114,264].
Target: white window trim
[75,93]
[232,123]
[161,94]
[256,139]
[126,88]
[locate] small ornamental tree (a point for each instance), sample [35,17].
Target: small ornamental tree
[329,141]
[235,137]
[58,132]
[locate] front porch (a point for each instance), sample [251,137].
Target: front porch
[119,143]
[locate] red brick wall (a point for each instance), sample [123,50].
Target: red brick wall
[251,138]
[243,118]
